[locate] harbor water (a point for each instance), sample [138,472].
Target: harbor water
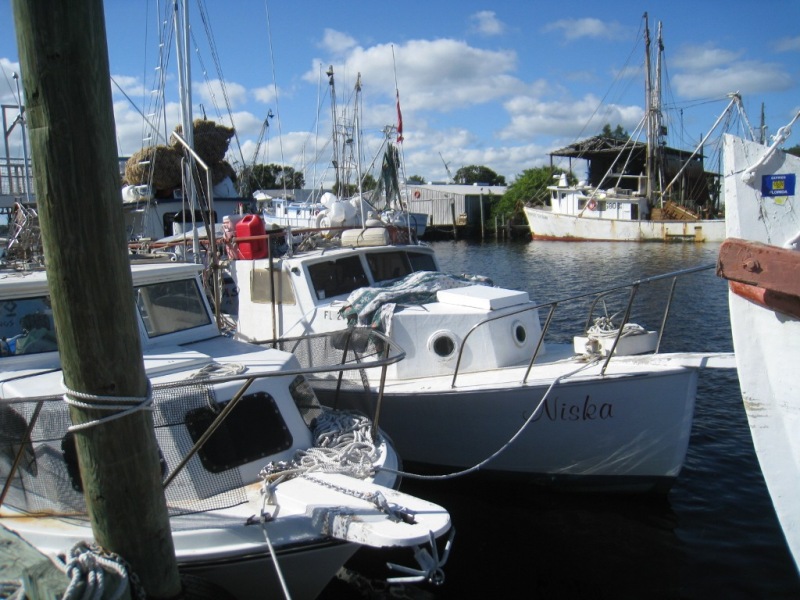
[714,535]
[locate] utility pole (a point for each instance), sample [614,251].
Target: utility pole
[65,73]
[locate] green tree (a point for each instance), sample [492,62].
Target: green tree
[530,187]
[618,133]
[368,182]
[270,177]
[795,150]
[416,180]
[478,174]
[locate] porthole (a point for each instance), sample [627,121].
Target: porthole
[519,333]
[443,344]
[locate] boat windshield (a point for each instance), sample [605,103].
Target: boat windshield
[171,306]
[26,326]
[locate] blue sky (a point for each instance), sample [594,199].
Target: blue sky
[498,83]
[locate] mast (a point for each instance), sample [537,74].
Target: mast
[335,160]
[648,103]
[184,89]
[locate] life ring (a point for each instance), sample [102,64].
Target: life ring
[416,193]
[592,205]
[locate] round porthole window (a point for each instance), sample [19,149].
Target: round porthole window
[443,344]
[519,333]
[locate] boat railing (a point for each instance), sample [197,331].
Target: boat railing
[599,296]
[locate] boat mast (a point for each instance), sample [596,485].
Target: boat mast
[652,110]
[184,89]
[335,160]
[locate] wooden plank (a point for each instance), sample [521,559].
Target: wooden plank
[769,267]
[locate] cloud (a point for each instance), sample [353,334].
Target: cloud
[706,70]
[486,23]
[337,42]
[438,75]
[216,92]
[575,29]
[787,44]
[531,117]
[748,77]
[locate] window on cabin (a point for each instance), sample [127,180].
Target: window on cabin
[422,261]
[337,277]
[26,326]
[261,287]
[171,306]
[386,266]
[253,430]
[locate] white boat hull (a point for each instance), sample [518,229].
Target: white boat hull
[625,431]
[767,342]
[546,225]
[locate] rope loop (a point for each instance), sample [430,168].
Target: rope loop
[118,406]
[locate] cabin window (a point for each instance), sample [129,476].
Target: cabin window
[26,326]
[171,306]
[337,277]
[421,261]
[386,266]
[261,287]
[184,219]
[253,430]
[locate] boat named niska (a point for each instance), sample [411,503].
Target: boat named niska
[479,388]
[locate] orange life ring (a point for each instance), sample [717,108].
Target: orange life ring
[416,194]
[592,205]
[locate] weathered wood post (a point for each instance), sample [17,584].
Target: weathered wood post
[65,73]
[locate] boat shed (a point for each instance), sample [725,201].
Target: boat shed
[453,207]
[625,163]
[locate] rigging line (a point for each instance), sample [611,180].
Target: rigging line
[399,133]
[136,108]
[617,79]
[218,65]
[275,89]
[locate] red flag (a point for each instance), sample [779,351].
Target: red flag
[399,119]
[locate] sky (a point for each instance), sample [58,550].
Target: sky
[499,84]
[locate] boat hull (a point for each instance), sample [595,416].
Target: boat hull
[620,432]
[766,337]
[546,225]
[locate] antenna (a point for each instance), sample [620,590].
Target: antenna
[447,168]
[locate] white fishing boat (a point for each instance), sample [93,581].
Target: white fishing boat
[268,492]
[762,264]
[635,191]
[479,389]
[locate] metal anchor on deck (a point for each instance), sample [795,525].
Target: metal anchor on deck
[430,567]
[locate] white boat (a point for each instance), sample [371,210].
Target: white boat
[479,389]
[762,263]
[637,192]
[262,500]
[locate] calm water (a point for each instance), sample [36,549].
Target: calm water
[715,535]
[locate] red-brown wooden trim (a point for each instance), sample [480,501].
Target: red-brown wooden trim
[769,267]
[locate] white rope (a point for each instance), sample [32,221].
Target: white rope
[604,327]
[505,446]
[120,406]
[87,567]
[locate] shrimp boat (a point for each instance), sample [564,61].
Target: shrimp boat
[269,493]
[761,262]
[479,389]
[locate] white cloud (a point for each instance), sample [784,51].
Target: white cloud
[787,44]
[486,23]
[750,77]
[337,42]
[215,92]
[575,29]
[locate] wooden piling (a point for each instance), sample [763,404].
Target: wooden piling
[65,74]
